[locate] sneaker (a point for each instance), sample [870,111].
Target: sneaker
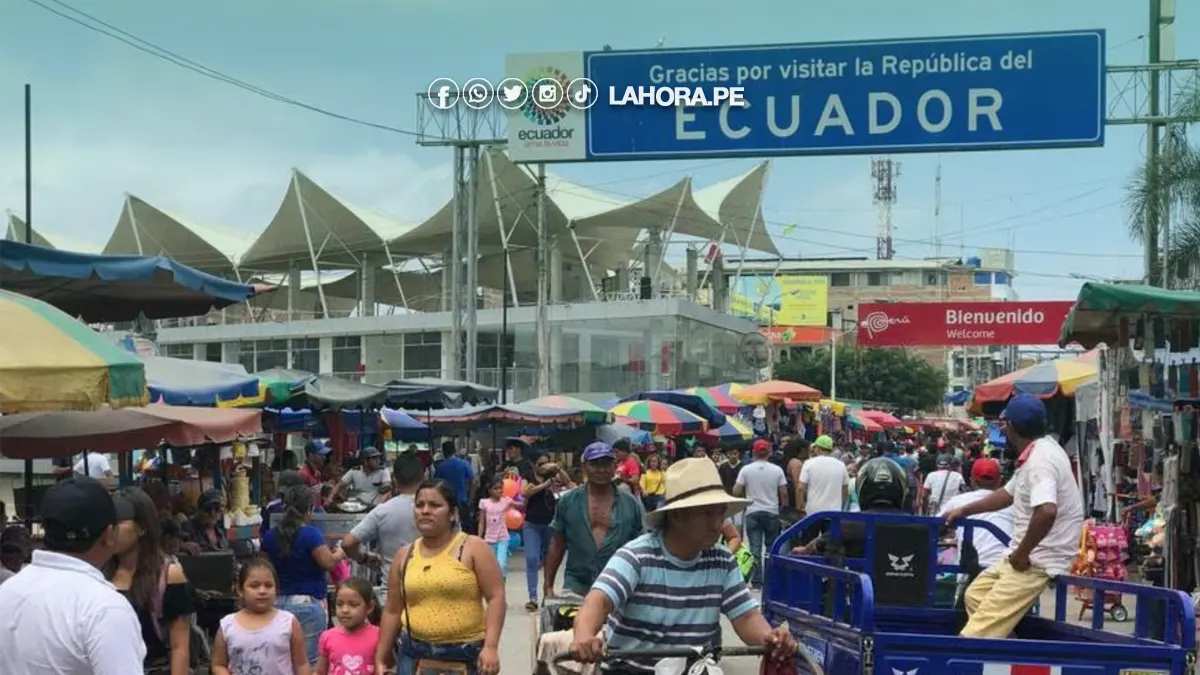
[531,606]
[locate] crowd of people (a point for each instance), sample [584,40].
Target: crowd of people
[657,546]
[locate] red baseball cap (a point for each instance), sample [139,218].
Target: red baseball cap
[985,469]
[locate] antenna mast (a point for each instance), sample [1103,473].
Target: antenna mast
[937,210]
[884,173]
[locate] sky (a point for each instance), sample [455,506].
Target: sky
[109,119]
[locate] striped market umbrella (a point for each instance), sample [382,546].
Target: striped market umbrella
[592,413]
[1060,377]
[855,420]
[658,418]
[733,430]
[726,391]
[776,390]
[51,362]
[716,399]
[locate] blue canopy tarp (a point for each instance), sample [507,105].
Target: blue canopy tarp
[403,426]
[106,288]
[197,383]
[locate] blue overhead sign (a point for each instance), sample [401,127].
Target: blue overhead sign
[990,92]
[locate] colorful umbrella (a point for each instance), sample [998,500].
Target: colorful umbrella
[776,390]
[717,399]
[592,413]
[726,392]
[1045,380]
[51,362]
[855,420]
[658,418]
[883,419]
[734,429]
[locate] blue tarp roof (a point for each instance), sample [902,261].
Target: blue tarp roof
[104,288]
[197,383]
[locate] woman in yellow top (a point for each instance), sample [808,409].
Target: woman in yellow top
[436,593]
[654,483]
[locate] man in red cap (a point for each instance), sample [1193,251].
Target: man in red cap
[764,484]
[985,477]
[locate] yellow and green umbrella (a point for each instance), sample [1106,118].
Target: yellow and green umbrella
[51,362]
[592,413]
[733,430]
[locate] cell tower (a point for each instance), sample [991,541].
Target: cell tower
[884,173]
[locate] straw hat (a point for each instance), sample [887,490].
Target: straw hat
[694,482]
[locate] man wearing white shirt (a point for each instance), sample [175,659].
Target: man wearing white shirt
[985,477]
[61,617]
[764,484]
[94,465]
[824,481]
[1047,520]
[941,485]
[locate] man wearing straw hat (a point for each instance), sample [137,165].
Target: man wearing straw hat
[660,589]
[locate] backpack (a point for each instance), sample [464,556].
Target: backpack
[199,651]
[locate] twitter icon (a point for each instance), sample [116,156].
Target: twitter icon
[512,93]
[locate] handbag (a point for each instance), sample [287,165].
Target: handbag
[429,666]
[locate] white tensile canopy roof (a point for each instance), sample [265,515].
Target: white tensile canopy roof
[737,203]
[314,224]
[145,229]
[422,291]
[606,225]
[15,231]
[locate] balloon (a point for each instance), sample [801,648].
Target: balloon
[512,488]
[514,519]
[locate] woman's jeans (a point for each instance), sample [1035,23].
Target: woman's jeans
[537,543]
[410,651]
[310,612]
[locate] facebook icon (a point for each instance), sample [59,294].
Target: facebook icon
[443,93]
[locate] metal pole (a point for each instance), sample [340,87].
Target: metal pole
[455,263]
[504,336]
[1153,203]
[543,287]
[28,240]
[472,282]
[833,365]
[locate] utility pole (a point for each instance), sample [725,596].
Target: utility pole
[1153,40]
[29,505]
[467,130]
[543,287]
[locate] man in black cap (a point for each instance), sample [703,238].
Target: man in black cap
[367,482]
[61,617]
[205,532]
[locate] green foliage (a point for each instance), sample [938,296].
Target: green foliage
[886,375]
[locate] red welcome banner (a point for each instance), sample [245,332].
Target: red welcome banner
[938,324]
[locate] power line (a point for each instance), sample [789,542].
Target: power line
[147,47]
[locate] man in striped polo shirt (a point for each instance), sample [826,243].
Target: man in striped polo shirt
[670,586]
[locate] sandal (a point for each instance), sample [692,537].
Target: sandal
[531,606]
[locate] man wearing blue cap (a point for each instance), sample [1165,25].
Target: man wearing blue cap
[1047,519]
[590,523]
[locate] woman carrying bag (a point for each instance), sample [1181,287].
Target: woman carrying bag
[435,621]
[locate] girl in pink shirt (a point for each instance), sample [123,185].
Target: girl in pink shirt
[349,647]
[493,527]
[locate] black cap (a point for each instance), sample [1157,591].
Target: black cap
[208,499]
[369,453]
[75,512]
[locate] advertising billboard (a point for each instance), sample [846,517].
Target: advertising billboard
[949,324]
[940,94]
[783,300]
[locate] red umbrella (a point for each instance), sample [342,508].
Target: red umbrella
[880,417]
[45,435]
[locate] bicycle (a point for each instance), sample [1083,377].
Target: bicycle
[696,655]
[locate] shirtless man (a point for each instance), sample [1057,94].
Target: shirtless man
[590,523]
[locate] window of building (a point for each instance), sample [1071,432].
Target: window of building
[212,352]
[347,355]
[422,354]
[178,351]
[877,278]
[1002,279]
[839,279]
[306,355]
[270,354]
[983,278]
[933,279]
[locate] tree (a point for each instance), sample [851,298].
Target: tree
[1173,180]
[871,374]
